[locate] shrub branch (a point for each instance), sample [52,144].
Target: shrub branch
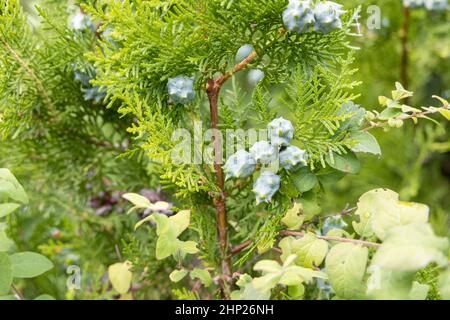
[213,91]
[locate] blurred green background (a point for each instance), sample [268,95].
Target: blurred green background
[76,215]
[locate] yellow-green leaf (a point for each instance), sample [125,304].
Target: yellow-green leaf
[120,276]
[138,200]
[178,275]
[5,273]
[180,221]
[346,266]
[410,248]
[8,208]
[383,210]
[445,113]
[203,275]
[310,251]
[294,217]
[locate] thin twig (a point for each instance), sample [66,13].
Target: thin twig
[119,255]
[332,238]
[17,292]
[240,247]
[404,117]
[240,66]
[346,211]
[247,243]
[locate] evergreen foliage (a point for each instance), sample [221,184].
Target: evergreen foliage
[102,101]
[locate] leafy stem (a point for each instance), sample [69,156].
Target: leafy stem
[332,238]
[242,246]
[413,116]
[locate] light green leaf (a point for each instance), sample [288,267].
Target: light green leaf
[121,276]
[444,102]
[390,285]
[383,101]
[310,205]
[294,217]
[288,274]
[29,264]
[410,248]
[400,92]
[5,273]
[444,284]
[336,232]
[408,109]
[8,208]
[364,226]
[180,221]
[330,176]
[247,291]
[445,113]
[44,297]
[310,251]
[168,229]
[138,200]
[8,297]
[162,224]
[160,206]
[346,266]
[267,266]
[203,275]
[304,180]
[390,113]
[365,143]
[419,291]
[296,292]
[384,211]
[307,274]
[346,162]
[354,115]
[291,278]
[189,247]
[5,243]
[267,282]
[285,245]
[141,222]
[11,187]
[166,246]
[178,275]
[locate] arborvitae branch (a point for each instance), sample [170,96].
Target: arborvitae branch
[39,85]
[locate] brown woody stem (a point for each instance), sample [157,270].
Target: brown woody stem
[213,91]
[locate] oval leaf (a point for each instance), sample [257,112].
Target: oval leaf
[8,208]
[344,162]
[5,273]
[138,200]
[29,264]
[346,266]
[120,276]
